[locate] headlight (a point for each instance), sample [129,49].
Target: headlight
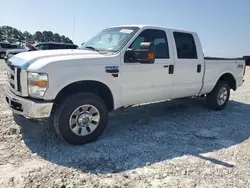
[38,83]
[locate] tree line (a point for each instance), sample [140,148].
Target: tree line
[13,35]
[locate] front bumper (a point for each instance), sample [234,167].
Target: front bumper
[29,108]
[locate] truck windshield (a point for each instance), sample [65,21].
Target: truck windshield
[111,39]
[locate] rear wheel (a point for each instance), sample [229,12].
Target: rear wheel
[218,98]
[81,118]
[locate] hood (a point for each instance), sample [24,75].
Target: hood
[27,58]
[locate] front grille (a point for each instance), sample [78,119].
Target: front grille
[12,85]
[15,75]
[18,79]
[11,75]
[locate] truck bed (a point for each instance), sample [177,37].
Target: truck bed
[216,67]
[222,58]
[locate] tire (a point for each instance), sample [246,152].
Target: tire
[217,95]
[64,114]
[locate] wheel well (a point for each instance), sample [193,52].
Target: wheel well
[229,79]
[88,86]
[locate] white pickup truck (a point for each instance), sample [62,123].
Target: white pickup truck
[119,67]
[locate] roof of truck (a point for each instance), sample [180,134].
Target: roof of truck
[154,26]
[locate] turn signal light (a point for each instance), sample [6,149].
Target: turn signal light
[150,56]
[39,83]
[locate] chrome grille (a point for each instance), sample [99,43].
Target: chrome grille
[11,75]
[17,79]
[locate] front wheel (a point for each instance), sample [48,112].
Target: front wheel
[218,98]
[81,118]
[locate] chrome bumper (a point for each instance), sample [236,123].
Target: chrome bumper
[29,108]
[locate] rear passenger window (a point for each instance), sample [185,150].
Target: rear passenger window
[185,45]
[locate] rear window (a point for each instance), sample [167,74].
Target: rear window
[55,46]
[185,45]
[69,46]
[42,46]
[61,46]
[5,45]
[51,46]
[13,46]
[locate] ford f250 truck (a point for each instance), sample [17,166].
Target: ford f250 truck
[121,66]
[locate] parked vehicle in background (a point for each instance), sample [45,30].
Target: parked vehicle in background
[41,46]
[13,46]
[119,67]
[55,46]
[4,46]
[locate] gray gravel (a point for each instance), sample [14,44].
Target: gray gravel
[169,144]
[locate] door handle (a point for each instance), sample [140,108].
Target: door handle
[165,66]
[199,68]
[171,69]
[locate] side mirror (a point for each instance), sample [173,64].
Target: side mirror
[146,52]
[130,56]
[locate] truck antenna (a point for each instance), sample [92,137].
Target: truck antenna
[73,28]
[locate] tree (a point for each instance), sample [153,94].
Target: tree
[17,36]
[56,37]
[7,33]
[63,38]
[66,39]
[28,37]
[1,34]
[48,36]
[38,37]
[13,35]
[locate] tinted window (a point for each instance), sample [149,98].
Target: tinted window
[70,47]
[158,37]
[56,46]
[185,45]
[41,46]
[14,46]
[5,45]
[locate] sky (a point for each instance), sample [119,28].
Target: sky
[222,25]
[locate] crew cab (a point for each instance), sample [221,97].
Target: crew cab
[119,67]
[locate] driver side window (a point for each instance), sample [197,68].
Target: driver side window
[158,37]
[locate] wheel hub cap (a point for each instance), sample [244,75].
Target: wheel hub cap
[222,96]
[84,120]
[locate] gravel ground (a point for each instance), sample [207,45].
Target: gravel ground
[169,144]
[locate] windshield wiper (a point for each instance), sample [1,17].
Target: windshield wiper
[91,47]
